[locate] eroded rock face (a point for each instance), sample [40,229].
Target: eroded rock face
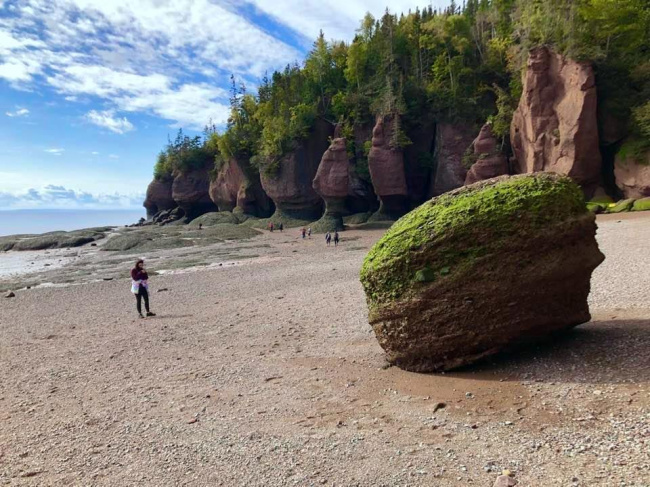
[490,161]
[190,191]
[290,187]
[482,269]
[386,166]
[159,197]
[632,176]
[554,127]
[451,143]
[331,183]
[237,188]
[418,162]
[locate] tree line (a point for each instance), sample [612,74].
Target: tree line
[459,64]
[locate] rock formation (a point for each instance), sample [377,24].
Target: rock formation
[290,184]
[450,146]
[632,176]
[331,183]
[419,162]
[481,269]
[190,192]
[490,161]
[237,188]
[554,127]
[159,197]
[386,166]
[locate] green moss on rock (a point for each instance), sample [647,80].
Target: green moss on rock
[452,230]
[641,205]
[621,206]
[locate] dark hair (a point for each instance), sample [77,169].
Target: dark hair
[139,261]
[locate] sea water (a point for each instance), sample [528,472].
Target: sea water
[40,221]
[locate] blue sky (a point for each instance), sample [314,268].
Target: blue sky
[90,89]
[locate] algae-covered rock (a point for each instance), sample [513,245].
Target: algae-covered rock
[480,269]
[641,205]
[600,202]
[621,206]
[215,218]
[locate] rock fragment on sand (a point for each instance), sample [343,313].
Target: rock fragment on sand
[10,294]
[440,281]
[505,481]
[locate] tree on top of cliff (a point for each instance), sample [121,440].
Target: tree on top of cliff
[460,64]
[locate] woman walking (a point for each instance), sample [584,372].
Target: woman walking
[140,287]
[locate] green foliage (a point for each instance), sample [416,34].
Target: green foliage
[459,64]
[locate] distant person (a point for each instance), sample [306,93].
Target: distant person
[304,232]
[140,287]
[200,226]
[281,227]
[336,239]
[328,238]
[309,232]
[271,226]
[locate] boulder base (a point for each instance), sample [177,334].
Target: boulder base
[482,269]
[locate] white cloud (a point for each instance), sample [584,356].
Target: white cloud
[338,19]
[113,156]
[55,151]
[59,196]
[95,153]
[20,112]
[108,120]
[152,56]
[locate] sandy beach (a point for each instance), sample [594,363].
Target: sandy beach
[261,370]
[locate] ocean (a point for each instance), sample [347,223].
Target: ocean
[40,221]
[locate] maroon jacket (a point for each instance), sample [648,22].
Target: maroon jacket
[139,274]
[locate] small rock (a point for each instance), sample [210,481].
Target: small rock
[193,420]
[10,294]
[505,481]
[107,278]
[438,406]
[162,290]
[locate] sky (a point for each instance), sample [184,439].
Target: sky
[91,89]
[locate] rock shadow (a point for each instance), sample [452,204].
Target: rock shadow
[608,351]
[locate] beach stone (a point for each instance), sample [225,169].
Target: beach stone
[482,269]
[10,294]
[505,481]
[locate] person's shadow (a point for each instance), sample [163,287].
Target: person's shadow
[613,351]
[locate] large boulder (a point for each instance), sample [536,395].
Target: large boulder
[386,165]
[237,187]
[481,269]
[490,161]
[159,197]
[452,141]
[288,182]
[633,175]
[331,183]
[190,191]
[554,128]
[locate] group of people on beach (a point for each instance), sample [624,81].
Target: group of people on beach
[328,238]
[271,226]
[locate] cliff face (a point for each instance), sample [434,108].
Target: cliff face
[490,161]
[190,191]
[632,176]
[159,197]
[452,140]
[555,127]
[386,166]
[236,187]
[331,183]
[290,187]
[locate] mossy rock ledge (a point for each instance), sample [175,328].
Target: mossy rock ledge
[482,269]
